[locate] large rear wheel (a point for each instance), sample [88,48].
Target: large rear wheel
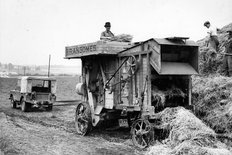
[141,132]
[83,120]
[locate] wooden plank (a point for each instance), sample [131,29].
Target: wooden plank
[134,53]
[124,91]
[78,50]
[132,50]
[194,61]
[120,74]
[129,108]
[154,47]
[135,88]
[95,48]
[140,81]
[149,81]
[109,100]
[168,42]
[176,68]
[131,91]
[190,90]
[144,79]
[154,65]
[116,86]
[155,57]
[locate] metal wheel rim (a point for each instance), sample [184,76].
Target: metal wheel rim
[140,130]
[81,122]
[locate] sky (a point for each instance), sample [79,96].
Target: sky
[30,30]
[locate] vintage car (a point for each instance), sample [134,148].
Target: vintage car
[33,91]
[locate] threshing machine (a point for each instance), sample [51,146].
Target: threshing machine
[131,82]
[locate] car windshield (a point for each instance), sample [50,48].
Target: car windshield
[41,86]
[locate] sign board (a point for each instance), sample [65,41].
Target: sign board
[95,48]
[80,49]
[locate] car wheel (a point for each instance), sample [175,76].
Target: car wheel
[25,106]
[49,108]
[13,103]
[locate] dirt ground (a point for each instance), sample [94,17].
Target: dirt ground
[42,132]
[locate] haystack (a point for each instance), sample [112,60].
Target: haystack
[213,102]
[187,135]
[210,61]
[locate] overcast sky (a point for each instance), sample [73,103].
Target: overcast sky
[30,30]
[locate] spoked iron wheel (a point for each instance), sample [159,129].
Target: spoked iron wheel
[133,65]
[83,121]
[141,133]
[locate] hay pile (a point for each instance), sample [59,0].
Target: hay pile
[212,97]
[210,61]
[187,135]
[123,38]
[175,92]
[160,96]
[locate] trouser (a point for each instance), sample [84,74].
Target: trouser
[227,65]
[213,42]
